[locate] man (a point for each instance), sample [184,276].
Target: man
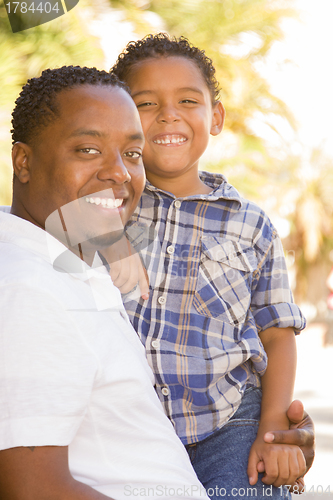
[79,415]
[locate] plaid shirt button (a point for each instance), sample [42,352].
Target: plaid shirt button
[165,391]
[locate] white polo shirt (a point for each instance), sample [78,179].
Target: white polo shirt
[74,372]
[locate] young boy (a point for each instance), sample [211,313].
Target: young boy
[220,301]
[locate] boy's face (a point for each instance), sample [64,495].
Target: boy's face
[92,152]
[176,113]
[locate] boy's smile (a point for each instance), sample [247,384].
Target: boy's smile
[177,117]
[170,139]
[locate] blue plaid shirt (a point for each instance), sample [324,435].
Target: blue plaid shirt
[217,278]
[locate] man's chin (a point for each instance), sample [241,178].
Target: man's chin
[104,240]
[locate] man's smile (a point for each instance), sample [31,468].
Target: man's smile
[105,202]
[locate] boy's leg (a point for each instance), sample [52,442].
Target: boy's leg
[220,461]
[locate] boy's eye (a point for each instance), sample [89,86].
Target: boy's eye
[133,154]
[188,101]
[89,151]
[145,104]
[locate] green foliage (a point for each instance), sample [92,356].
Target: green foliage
[25,54]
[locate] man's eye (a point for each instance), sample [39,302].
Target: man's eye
[89,151]
[133,154]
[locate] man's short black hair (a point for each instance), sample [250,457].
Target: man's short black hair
[36,105]
[161,45]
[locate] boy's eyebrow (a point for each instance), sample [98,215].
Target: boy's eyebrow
[142,92]
[136,137]
[197,90]
[192,89]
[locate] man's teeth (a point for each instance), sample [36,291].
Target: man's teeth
[105,202]
[170,139]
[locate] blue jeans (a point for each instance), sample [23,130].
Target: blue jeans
[220,461]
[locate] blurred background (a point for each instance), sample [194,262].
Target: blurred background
[275,69]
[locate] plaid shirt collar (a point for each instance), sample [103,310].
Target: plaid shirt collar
[221,189]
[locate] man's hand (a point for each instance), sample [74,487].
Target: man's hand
[301,433]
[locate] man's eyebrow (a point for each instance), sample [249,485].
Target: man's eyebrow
[96,133]
[85,131]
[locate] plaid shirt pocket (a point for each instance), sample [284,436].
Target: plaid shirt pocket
[224,280]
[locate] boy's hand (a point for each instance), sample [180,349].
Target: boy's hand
[126,268]
[283,464]
[300,433]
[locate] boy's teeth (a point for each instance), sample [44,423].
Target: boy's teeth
[105,202]
[170,139]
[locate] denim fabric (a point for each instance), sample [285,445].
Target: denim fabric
[220,461]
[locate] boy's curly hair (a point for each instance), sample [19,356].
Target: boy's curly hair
[162,45]
[37,105]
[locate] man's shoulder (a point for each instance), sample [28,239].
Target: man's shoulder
[20,264]
[21,269]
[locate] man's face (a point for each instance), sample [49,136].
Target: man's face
[88,163]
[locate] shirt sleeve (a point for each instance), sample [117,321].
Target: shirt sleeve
[46,370]
[272,301]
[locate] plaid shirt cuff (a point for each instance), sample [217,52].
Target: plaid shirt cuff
[282,315]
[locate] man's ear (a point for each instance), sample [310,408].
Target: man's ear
[218,118]
[20,157]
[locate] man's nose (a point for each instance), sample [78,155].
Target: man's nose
[168,114]
[115,170]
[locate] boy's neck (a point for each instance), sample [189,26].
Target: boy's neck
[180,186]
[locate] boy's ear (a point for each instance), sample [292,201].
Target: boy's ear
[20,158]
[218,118]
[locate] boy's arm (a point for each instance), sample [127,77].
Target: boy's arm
[38,473]
[283,463]
[126,267]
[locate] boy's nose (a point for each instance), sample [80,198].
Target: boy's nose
[168,114]
[114,169]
